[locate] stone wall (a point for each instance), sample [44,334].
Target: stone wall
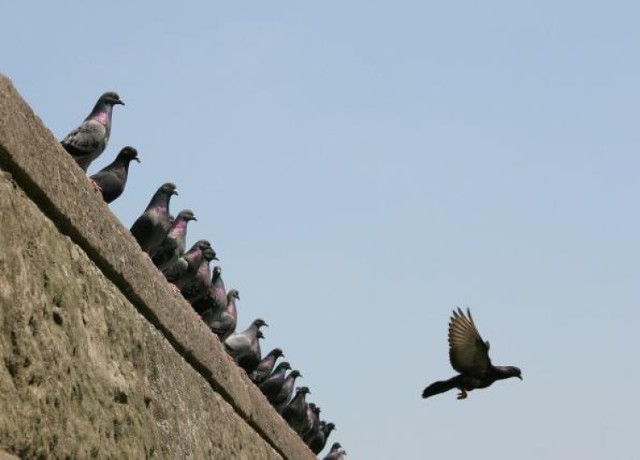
[99,358]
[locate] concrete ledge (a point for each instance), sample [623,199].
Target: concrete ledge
[51,179]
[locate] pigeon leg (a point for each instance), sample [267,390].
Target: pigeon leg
[462,394]
[95,186]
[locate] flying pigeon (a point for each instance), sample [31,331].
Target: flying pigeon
[469,355]
[216,297]
[88,141]
[111,179]
[174,243]
[222,321]
[266,366]
[151,228]
[244,347]
[185,269]
[281,400]
[199,286]
[336,453]
[272,385]
[295,413]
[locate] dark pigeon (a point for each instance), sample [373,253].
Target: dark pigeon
[281,400]
[199,286]
[313,421]
[88,141]
[216,298]
[185,269]
[244,347]
[174,243]
[336,453]
[469,355]
[266,366]
[317,443]
[223,321]
[295,413]
[272,385]
[111,179]
[151,228]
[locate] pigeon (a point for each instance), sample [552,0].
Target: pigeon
[151,228]
[111,179]
[281,400]
[313,419]
[272,385]
[244,347]
[199,286]
[222,322]
[295,414]
[266,366]
[336,453]
[216,298]
[88,141]
[317,444]
[469,355]
[174,243]
[185,269]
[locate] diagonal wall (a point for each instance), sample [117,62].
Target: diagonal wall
[98,356]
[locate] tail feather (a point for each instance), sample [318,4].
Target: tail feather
[440,387]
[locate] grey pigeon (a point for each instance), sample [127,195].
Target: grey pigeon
[88,141]
[244,347]
[281,400]
[185,269]
[151,228]
[272,385]
[266,366]
[295,413]
[198,287]
[111,179]
[223,321]
[216,297]
[469,355]
[174,243]
[336,453]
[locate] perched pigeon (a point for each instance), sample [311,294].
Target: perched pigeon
[174,243]
[313,421]
[88,141]
[317,443]
[336,453]
[185,269]
[271,387]
[151,228]
[198,287]
[111,179]
[281,400]
[295,413]
[244,347]
[216,298]
[469,355]
[222,322]
[266,366]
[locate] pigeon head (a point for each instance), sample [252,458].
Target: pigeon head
[259,335]
[303,390]
[315,409]
[128,154]
[259,323]
[233,293]
[513,371]
[330,426]
[285,365]
[217,271]
[187,215]
[169,188]
[209,254]
[202,245]
[277,352]
[110,98]
[295,373]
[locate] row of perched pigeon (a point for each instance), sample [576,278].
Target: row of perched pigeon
[163,238]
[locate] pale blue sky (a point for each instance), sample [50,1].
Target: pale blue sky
[364,167]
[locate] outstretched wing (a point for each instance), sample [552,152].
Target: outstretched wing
[468,353]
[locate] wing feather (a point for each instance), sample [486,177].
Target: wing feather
[468,353]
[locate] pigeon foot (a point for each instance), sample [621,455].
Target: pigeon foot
[462,394]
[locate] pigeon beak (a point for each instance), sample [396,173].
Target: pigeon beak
[519,376]
[175,192]
[119,102]
[137,159]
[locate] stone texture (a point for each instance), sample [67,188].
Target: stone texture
[40,336]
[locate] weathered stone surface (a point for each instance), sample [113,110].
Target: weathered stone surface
[97,326]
